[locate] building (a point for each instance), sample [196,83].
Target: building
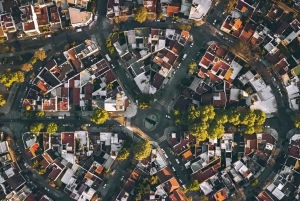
[80,18]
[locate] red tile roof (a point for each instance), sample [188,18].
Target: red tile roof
[172,8]
[165,174]
[54,173]
[264,196]
[76,95]
[109,77]
[88,91]
[68,138]
[222,102]
[203,176]
[157,80]
[177,195]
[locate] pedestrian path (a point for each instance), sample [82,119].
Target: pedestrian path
[161,139]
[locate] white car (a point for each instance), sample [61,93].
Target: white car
[174,72]
[122,178]
[173,169]
[177,161]
[214,23]
[34,38]
[112,66]
[78,30]
[40,68]
[167,116]
[61,117]
[48,36]
[179,65]
[180,181]
[104,185]
[192,45]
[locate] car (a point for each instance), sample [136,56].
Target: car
[112,66]
[180,181]
[21,101]
[192,45]
[220,33]
[26,89]
[96,17]
[61,117]
[184,186]
[177,161]
[40,68]
[48,117]
[174,72]
[87,124]
[170,163]
[167,116]
[179,65]
[224,13]
[48,36]
[122,178]
[47,189]
[162,150]
[34,38]
[113,172]
[173,169]
[214,23]
[78,30]
[231,41]
[274,79]
[104,185]
[127,75]
[158,20]
[267,126]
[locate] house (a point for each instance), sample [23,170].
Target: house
[68,146]
[79,3]
[29,20]
[80,18]
[7,25]
[181,141]
[177,195]
[153,163]
[119,9]
[199,9]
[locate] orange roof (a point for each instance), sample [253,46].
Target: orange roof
[173,184]
[99,169]
[221,195]
[238,24]
[172,9]
[187,154]
[244,9]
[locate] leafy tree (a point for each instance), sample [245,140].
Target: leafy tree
[142,150]
[207,112]
[221,116]
[160,16]
[233,116]
[42,170]
[19,76]
[140,14]
[123,154]
[110,86]
[250,130]
[184,27]
[100,116]
[204,198]
[260,117]
[2,40]
[35,164]
[180,117]
[52,128]
[142,188]
[40,54]
[247,118]
[2,101]
[40,114]
[199,130]
[194,185]
[192,67]
[67,46]
[254,182]
[26,67]
[144,100]
[215,130]
[111,49]
[36,127]
[258,128]
[296,119]
[153,180]
[28,107]
[8,78]
[193,114]
[230,6]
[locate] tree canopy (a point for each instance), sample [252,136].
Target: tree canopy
[8,77]
[36,127]
[140,14]
[52,128]
[192,67]
[144,100]
[296,119]
[26,67]
[194,185]
[100,116]
[2,101]
[123,154]
[40,54]
[206,122]
[142,150]
[40,114]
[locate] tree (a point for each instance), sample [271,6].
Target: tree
[258,128]
[111,49]
[26,67]
[160,16]
[249,130]
[194,185]
[204,198]
[192,67]
[123,154]
[40,114]
[221,116]
[100,116]
[42,170]
[193,114]
[35,164]
[142,150]
[140,14]
[153,180]
[247,118]
[199,130]
[233,116]
[52,128]
[144,100]
[7,78]
[254,182]
[230,6]
[19,76]
[40,54]
[215,130]
[28,107]
[36,127]
[207,112]
[67,46]
[110,86]
[260,117]
[296,119]
[2,101]
[184,27]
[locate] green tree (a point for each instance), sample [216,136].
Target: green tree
[221,117]
[193,114]
[111,49]
[247,118]
[42,170]
[144,100]
[110,86]
[100,116]
[40,54]
[52,128]
[204,198]
[123,154]
[84,127]
[26,67]
[36,127]
[140,14]
[199,130]
[230,6]
[142,150]
[207,113]
[233,116]
[192,67]
[215,130]
[180,117]
[296,119]
[8,78]
[258,128]
[194,185]
[260,117]
[153,180]
[250,130]
[159,16]
[2,101]
[35,164]
[40,114]
[254,182]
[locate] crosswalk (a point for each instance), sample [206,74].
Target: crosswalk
[161,139]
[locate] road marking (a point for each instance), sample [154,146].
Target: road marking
[161,139]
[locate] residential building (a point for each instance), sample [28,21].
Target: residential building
[80,18]
[29,20]
[199,9]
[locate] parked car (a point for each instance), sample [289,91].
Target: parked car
[61,117]
[167,116]
[112,66]
[192,45]
[214,23]
[184,56]
[173,169]
[107,57]
[40,68]
[34,38]
[180,181]
[179,65]
[78,30]
[177,161]
[104,185]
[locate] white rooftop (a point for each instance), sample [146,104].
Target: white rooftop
[258,83]
[200,9]
[143,82]
[206,188]
[105,137]
[3,147]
